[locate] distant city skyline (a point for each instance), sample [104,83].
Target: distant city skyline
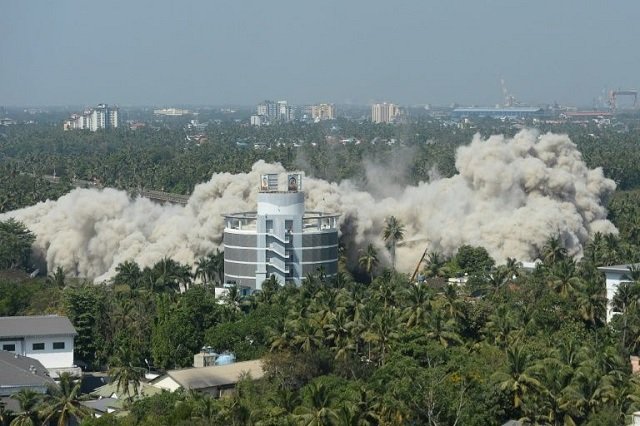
[358,52]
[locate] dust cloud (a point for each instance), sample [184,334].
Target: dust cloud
[508,196]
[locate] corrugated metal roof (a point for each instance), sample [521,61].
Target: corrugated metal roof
[217,375]
[17,371]
[37,325]
[619,268]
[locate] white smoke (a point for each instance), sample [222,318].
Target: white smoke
[509,196]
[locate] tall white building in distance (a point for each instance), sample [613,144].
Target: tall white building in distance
[323,112]
[101,117]
[384,113]
[270,111]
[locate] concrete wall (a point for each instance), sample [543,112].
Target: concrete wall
[49,357]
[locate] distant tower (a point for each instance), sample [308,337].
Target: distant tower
[280,238]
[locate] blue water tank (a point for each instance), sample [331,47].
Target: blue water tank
[225,359]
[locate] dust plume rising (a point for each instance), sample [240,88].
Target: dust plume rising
[508,196]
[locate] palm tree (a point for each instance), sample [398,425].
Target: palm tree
[125,373]
[210,268]
[369,260]
[517,377]
[512,267]
[442,331]
[28,415]
[564,279]
[317,411]
[393,232]
[419,306]
[128,273]
[553,250]
[57,278]
[63,403]
[383,331]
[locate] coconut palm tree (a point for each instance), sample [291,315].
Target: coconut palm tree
[63,402]
[416,314]
[553,250]
[125,373]
[517,376]
[318,410]
[369,260]
[128,273]
[393,233]
[29,401]
[564,278]
[57,278]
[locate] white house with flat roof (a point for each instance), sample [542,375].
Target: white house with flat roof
[615,275]
[46,338]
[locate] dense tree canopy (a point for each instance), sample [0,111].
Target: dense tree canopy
[474,343]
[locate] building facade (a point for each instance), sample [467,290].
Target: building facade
[47,338]
[270,111]
[280,239]
[101,117]
[384,113]
[323,112]
[616,275]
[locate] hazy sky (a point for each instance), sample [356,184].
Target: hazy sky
[242,51]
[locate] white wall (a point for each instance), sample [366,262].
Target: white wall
[613,281]
[49,357]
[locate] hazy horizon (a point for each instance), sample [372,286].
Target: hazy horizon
[357,52]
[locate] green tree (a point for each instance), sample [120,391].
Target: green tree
[126,372]
[29,401]
[317,409]
[62,403]
[393,233]
[369,260]
[15,244]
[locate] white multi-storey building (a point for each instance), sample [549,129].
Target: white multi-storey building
[101,117]
[280,238]
[323,112]
[384,113]
[47,338]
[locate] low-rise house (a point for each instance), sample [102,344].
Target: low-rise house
[46,338]
[216,380]
[18,372]
[109,399]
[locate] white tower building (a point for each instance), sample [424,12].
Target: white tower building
[280,238]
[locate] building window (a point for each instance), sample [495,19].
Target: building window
[10,347]
[38,347]
[58,345]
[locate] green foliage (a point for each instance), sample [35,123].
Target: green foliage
[86,308]
[15,245]
[508,344]
[474,260]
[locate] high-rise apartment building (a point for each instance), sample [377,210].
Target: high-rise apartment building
[101,117]
[280,238]
[323,112]
[270,111]
[384,113]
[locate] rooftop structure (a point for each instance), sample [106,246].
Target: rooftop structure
[216,380]
[19,372]
[171,112]
[47,338]
[506,112]
[280,239]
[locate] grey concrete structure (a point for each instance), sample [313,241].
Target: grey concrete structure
[279,239]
